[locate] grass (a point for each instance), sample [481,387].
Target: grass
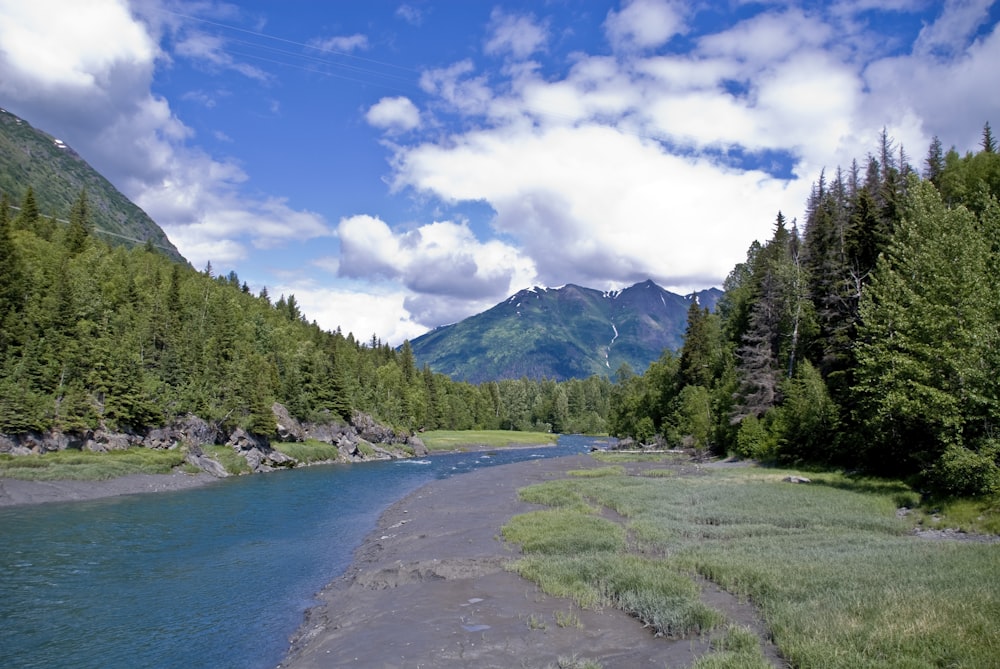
[616,456]
[839,580]
[232,461]
[738,648]
[309,451]
[88,465]
[460,440]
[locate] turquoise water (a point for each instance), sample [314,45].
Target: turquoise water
[218,576]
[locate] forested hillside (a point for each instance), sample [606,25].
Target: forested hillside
[33,159]
[561,333]
[869,338]
[126,339]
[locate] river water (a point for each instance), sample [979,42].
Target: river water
[213,577]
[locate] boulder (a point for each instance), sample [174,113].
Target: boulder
[418,446]
[371,431]
[288,428]
[257,451]
[196,457]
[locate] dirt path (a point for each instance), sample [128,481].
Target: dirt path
[428,589]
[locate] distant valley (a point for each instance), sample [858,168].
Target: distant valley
[562,333]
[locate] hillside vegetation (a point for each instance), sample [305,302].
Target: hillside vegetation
[98,336]
[868,339]
[31,158]
[562,333]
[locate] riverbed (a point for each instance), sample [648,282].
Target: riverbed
[213,576]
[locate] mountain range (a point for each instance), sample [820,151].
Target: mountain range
[57,175]
[562,333]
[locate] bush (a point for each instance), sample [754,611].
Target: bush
[961,472]
[754,440]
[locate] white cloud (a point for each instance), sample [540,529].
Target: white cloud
[518,35]
[410,14]
[455,86]
[46,46]
[210,51]
[442,262]
[359,309]
[86,69]
[397,114]
[341,43]
[949,35]
[596,206]
[645,24]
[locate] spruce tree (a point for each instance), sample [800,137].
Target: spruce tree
[78,232]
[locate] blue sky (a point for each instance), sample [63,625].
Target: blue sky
[401,165]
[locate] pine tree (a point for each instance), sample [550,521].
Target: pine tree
[989,144]
[934,163]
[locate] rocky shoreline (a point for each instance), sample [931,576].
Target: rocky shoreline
[358,440]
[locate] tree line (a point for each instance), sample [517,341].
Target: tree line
[868,339]
[95,336]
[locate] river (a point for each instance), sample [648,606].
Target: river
[215,577]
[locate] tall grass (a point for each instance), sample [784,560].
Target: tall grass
[89,466]
[837,576]
[458,440]
[309,451]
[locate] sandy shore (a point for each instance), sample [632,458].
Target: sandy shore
[428,588]
[15,491]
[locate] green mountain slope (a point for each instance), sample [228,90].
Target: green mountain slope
[57,174]
[562,333]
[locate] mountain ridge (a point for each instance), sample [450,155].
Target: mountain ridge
[561,333]
[57,174]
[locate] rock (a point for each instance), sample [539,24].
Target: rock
[288,428]
[796,479]
[418,446]
[371,431]
[257,451]
[205,463]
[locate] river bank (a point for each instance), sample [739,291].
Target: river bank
[429,588]
[14,492]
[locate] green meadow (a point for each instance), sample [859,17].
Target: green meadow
[459,440]
[838,578]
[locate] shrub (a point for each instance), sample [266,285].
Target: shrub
[961,472]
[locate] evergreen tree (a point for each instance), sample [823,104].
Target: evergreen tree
[989,144]
[27,218]
[934,163]
[12,288]
[79,225]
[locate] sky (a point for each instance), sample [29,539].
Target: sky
[397,166]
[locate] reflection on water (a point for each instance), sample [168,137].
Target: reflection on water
[211,577]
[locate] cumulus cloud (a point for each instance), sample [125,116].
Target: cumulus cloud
[633,166]
[517,35]
[644,24]
[594,205]
[439,263]
[360,309]
[89,72]
[396,114]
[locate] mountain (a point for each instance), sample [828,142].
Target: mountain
[561,333]
[57,174]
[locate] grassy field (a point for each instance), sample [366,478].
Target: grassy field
[89,466]
[839,579]
[458,440]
